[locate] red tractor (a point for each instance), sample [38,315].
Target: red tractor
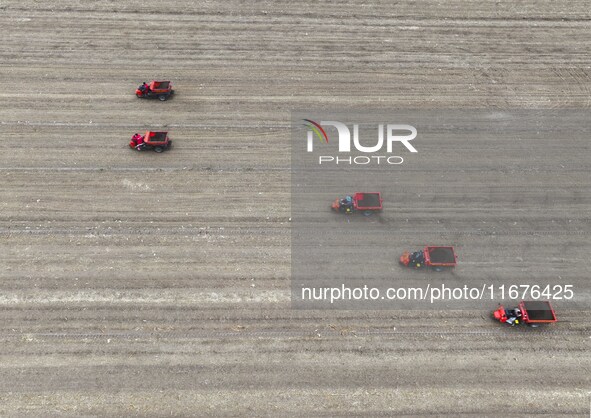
[367,203]
[532,313]
[157,141]
[437,258]
[161,90]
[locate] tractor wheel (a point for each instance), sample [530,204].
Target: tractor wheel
[158,149]
[162,97]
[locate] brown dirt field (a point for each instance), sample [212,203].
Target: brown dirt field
[150,285]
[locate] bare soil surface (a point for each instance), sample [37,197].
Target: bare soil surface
[143,284]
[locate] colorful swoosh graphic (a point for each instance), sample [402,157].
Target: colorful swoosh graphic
[317,130]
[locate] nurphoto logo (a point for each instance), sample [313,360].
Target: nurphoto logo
[389,136]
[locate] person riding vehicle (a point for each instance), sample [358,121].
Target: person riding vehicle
[138,141]
[144,88]
[347,204]
[513,316]
[417,259]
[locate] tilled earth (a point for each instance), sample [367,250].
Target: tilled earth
[142,284]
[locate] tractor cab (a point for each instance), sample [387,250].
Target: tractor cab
[367,203]
[532,313]
[151,140]
[436,257]
[160,90]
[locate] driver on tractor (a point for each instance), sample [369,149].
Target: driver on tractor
[417,259]
[347,204]
[144,88]
[513,316]
[138,140]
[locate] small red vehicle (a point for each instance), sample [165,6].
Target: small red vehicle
[367,203]
[437,258]
[532,313]
[161,90]
[157,141]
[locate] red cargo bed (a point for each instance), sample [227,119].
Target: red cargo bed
[440,256]
[537,312]
[367,201]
